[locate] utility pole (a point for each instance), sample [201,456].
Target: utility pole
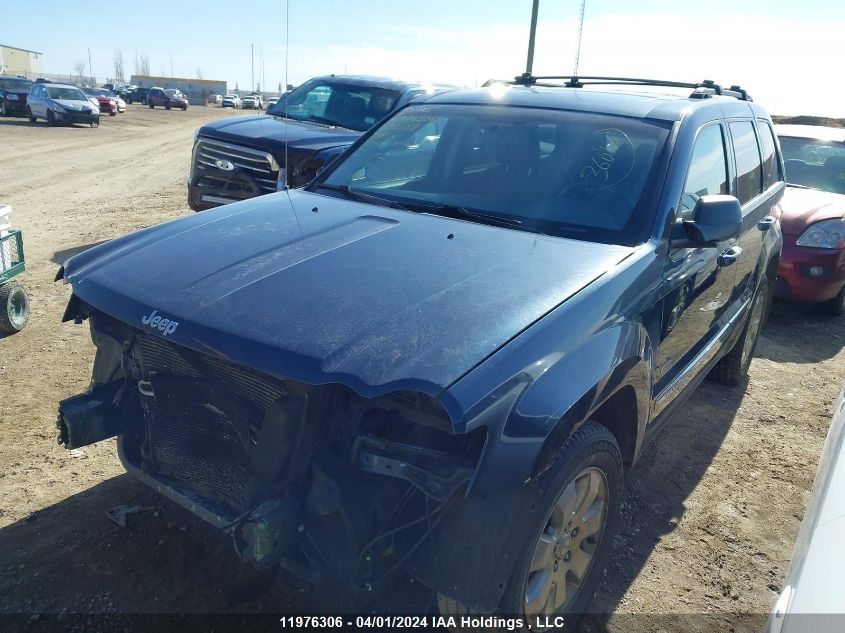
[529,65]
[252,56]
[90,69]
[171,66]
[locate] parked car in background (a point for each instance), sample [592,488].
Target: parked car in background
[231,101]
[214,99]
[60,103]
[168,99]
[13,94]
[138,95]
[252,102]
[812,597]
[812,268]
[272,101]
[447,352]
[319,119]
[106,100]
[122,91]
[121,104]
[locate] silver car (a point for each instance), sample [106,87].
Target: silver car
[60,103]
[812,598]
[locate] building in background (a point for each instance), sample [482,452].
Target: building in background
[196,90]
[19,61]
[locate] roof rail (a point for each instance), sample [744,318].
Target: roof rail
[701,90]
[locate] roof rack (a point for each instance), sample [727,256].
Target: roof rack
[701,90]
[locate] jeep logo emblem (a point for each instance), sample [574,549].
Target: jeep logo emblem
[225,165]
[154,320]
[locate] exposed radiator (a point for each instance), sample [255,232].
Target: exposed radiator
[193,440]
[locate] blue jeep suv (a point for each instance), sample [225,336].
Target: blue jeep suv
[446,352]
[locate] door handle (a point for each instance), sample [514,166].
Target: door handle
[729,256]
[766,223]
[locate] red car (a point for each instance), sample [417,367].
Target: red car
[169,98]
[104,99]
[812,267]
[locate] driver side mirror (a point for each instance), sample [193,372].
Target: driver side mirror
[716,218]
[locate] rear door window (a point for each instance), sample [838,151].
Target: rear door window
[749,171]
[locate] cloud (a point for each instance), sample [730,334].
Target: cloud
[784,63]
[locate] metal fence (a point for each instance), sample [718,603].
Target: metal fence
[80,80]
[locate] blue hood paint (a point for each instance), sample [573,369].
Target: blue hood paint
[371,297]
[268,132]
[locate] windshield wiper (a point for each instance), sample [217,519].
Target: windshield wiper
[359,196]
[461,212]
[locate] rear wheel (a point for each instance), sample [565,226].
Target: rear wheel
[559,567]
[14,308]
[733,368]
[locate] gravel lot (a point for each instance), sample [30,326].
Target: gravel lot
[710,513]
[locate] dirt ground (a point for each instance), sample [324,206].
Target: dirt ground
[710,513]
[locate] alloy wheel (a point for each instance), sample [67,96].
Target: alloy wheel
[567,546]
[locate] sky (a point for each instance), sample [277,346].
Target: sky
[787,54]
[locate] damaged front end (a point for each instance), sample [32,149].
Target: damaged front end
[312,478]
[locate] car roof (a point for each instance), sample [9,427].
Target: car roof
[58,85]
[820,132]
[377,82]
[655,105]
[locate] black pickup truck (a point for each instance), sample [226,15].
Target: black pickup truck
[244,157]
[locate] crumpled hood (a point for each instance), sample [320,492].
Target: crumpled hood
[321,289]
[803,207]
[268,132]
[75,106]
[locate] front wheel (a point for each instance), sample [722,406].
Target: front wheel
[113,113]
[733,368]
[837,304]
[14,308]
[51,118]
[95,122]
[151,105]
[29,115]
[166,106]
[560,565]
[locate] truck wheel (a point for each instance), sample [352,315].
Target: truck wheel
[195,199]
[558,568]
[733,368]
[837,304]
[14,308]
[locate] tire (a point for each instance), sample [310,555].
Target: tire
[113,113]
[195,199]
[51,119]
[837,304]
[95,122]
[29,115]
[733,368]
[184,108]
[166,106]
[589,457]
[151,105]
[14,308]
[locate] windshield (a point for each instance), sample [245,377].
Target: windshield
[172,93]
[571,174]
[334,103]
[69,93]
[814,163]
[15,84]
